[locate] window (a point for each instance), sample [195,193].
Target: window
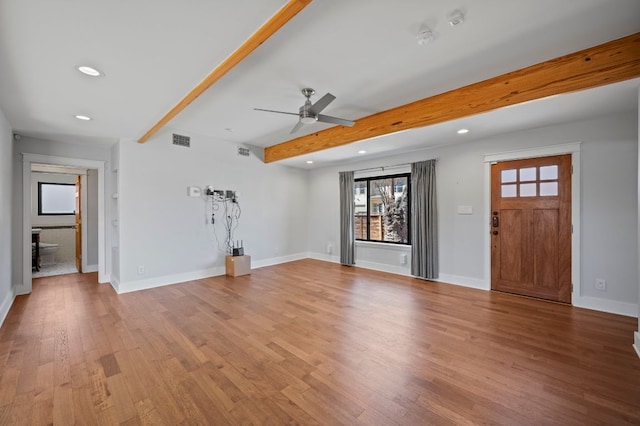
[382,209]
[56,199]
[529,182]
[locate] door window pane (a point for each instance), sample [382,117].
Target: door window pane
[548,173]
[508,176]
[528,174]
[528,190]
[548,189]
[509,191]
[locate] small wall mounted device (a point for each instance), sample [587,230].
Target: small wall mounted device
[238,249]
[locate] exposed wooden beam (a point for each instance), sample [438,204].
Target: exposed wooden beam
[277,21]
[607,63]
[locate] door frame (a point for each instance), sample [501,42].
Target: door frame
[543,151]
[27,161]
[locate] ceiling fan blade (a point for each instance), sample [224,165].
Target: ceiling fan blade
[335,120]
[321,103]
[279,112]
[297,127]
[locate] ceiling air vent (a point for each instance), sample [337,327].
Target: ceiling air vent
[181,140]
[243,151]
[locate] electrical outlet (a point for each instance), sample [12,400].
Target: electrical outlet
[140,269]
[601,284]
[329,248]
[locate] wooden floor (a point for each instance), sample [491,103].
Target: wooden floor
[308,343]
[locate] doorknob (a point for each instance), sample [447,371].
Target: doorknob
[495,222]
[495,232]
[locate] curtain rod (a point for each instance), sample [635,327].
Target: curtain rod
[382,168]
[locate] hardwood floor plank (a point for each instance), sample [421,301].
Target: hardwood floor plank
[310,342]
[123,402]
[63,407]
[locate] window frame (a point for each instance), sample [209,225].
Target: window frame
[40,212]
[368,181]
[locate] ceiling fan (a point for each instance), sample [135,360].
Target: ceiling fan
[310,113]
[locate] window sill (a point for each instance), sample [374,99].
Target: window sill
[386,246]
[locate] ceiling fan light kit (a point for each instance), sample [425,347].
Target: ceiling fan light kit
[310,113]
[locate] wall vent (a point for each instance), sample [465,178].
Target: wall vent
[243,151]
[181,140]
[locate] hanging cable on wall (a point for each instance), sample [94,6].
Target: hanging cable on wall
[225,205]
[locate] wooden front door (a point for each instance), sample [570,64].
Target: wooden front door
[531,227]
[78,225]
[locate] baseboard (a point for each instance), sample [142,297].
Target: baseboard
[324,257]
[604,305]
[463,281]
[6,304]
[129,286]
[382,267]
[406,271]
[278,260]
[115,283]
[20,289]
[90,268]
[636,344]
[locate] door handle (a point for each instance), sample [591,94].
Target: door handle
[495,222]
[495,232]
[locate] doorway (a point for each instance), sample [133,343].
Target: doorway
[28,160]
[61,196]
[531,227]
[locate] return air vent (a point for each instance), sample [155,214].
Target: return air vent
[181,140]
[243,151]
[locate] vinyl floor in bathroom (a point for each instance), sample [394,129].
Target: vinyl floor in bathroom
[60,268]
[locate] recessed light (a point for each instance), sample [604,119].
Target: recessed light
[90,71]
[456,18]
[425,36]
[309,162]
[463,131]
[362,151]
[82,117]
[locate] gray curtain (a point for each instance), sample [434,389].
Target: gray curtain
[424,220]
[347,231]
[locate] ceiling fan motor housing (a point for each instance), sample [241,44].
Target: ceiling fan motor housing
[305,116]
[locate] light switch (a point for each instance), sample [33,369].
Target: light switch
[193,191]
[465,210]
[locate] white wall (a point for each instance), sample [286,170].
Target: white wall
[50,148]
[6,187]
[609,215]
[170,235]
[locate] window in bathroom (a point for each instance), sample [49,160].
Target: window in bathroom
[56,199]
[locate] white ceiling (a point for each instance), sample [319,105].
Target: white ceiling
[365,52]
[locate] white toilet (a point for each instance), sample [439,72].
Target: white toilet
[47,251]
